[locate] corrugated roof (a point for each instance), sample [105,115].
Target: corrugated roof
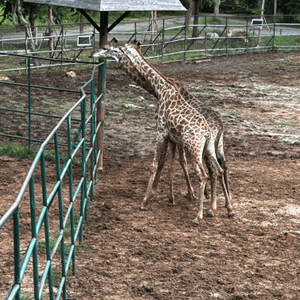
[116,5]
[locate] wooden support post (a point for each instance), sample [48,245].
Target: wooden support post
[101,87]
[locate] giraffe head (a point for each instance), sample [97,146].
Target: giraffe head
[110,50]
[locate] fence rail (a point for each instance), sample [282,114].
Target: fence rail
[171,39]
[62,230]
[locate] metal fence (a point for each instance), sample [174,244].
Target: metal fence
[168,39]
[55,214]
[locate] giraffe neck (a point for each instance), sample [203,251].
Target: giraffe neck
[134,74]
[156,80]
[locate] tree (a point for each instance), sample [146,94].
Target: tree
[217,9]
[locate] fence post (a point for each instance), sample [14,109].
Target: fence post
[162,41]
[226,36]
[61,220]
[101,88]
[17,252]
[205,37]
[274,31]
[34,236]
[62,43]
[247,29]
[185,41]
[46,224]
[29,102]
[135,33]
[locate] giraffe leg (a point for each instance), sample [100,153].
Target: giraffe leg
[227,198]
[224,180]
[171,171]
[213,174]
[161,163]
[183,163]
[156,167]
[202,181]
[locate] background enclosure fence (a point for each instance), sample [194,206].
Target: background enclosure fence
[168,40]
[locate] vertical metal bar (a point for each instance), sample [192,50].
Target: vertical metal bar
[34,236]
[185,41]
[162,41]
[205,37]
[135,32]
[101,87]
[46,223]
[92,159]
[62,43]
[226,36]
[61,217]
[83,166]
[29,102]
[17,251]
[26,51]
[26,40]
[274,30]
[71,191]
[247,28]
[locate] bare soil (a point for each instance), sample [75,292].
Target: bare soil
[159,253]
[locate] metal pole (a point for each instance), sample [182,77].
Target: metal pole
[62,43]
[17,258]
[29,102]
[101,88]
[247,34]
[274,31]
[205,37]
[162,41]
[185,41]
[226,36]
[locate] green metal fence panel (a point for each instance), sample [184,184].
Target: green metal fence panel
[84,143]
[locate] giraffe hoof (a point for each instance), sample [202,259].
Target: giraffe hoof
[195,222]
[142,208]
[210,214]
[231,214]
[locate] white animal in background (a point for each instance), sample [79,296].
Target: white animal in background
[213,35]
[236,32]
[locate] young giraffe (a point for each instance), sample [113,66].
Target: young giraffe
[213,118]
[181,123]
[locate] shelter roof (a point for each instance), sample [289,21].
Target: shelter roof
[116,5]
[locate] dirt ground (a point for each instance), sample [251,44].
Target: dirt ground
[159,253]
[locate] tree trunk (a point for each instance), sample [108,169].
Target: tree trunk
[33,29]
[189,14]
[217,9]
[16,10]
[234,4]
[196,19]
[261,16]
[81,26]
[51,32]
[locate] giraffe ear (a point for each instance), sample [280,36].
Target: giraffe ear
[132,42]
[113,42]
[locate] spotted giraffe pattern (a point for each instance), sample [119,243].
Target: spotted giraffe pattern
[114,52]
[213,117]
[181,123]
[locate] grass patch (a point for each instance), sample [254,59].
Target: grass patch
[24,152]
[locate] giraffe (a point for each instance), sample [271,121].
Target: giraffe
[213,118]
[178,121]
